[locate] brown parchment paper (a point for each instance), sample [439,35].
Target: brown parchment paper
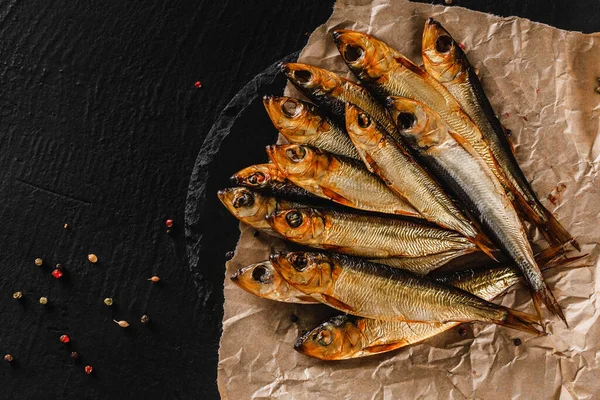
[541,82]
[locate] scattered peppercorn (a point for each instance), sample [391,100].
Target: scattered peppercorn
[74,355]
[462,332]
[88,369]
[59,267]
[17,295]
[198,84]
[93,258]
[448,2]
[57,273]
[8,357]
[294,318]
[66,226]
[229,255]
[169,223]
[517,342]
[38,262]
[144,319]
[43,301]
[64,339]
[154,279]
[122,324]
[108,301]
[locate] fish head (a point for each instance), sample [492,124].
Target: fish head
[299,224]
[443,58]
[295,119]
[246,205]
[260,279]
[297,160]
[308,272]
[257,176]
[336,339]
[362,129]
[416,122]
[313,81]
[368,58]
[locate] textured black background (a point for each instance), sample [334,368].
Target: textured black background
[100,125]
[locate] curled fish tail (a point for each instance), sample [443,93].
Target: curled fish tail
[555,233]
[521,321]
[544,295]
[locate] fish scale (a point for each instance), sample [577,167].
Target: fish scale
[391,238]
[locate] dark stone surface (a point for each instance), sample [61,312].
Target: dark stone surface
[100,128]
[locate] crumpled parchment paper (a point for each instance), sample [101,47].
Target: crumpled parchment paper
[541,82]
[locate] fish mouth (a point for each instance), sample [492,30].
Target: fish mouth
[233,179]
[222,193]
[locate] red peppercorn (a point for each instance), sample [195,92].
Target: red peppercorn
[169,223]
[198,84]
[462,332]
[57,273]
[88,369]
[65,339]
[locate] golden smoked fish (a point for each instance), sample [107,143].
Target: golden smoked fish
[365,235]
[467,177]
[445,60]
[377,291]
[343,180]
[300,122]
[404,176]
[331,92]
[386,72]
[425,264]
[345,336]
[268,178]
[251,207]
[262,280]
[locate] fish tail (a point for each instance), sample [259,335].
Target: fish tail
[485,245]
[544,295]
[555,233]
[521,321]
[545,257]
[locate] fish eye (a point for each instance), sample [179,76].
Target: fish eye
[325,337]
[256,178]
[243,200]
[353,53]
[303,76]
[299,262]
[291,108]
[294,219]
[261,274]
[296,153]
[406,120]
[443,44]
[364,120]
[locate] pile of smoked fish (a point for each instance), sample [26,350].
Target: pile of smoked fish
[384,181]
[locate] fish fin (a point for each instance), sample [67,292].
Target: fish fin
[485,245]
[555,233]
[545,296]
[508,134]
[546,256]
[336,197]
[521,321]
[340,305]
[368,160]
[382,348]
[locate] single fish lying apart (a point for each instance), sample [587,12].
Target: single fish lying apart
[444,59]
[300,122]
[380,292]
